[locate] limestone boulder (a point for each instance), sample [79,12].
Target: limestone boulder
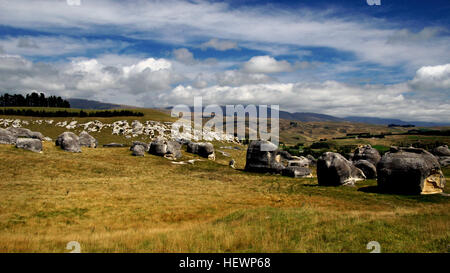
[369,170]
[263,156]
[334,169]
[410,171]
[25,133]
[69,142]
[30,144]
[86,140]
[6,137]
[368,153]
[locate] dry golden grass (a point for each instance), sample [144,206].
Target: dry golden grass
[110,201]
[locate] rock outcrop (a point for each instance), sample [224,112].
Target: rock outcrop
[410,171]
[69,142]
[368,153]
[30,144]
[333,170]
[203,149]
[6,137]
[138,150]
[442,153]
[263,156]
[25,133]
[168,149]
[369,170]
[86,140]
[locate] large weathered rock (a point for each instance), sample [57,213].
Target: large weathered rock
[30,144]
[138,150]
[333,170]
[368,153]
[299,161]
[312,160]
[168,149]
[69,141]
[203,149]
[442,154]
[369,170]
[441,151]
[262,156]
[87,140]
[145,145]
[295,171]
[26,133]
[6,137]
[410,171]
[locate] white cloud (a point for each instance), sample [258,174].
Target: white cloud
[221,45]
[432,78]
[183,22]
[266,64]
[183,55]
[238,78]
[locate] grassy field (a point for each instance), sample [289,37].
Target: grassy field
[110,201]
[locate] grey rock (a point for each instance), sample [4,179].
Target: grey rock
[145,145]
[168,149]
[6,137]
[26,133]
[232,163]
[299,161]
[441,151]
[368,153]
[333,170]
[262,156]
[30,144]
[410,171]
[444,161]
[295,171]
[312,160]
[114,145]
[138,150]
[86,140]
[69,141]
[369,170]
[203,149]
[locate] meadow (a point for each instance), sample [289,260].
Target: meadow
[110,201]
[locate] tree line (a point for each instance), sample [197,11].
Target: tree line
[64,113]
[32,100]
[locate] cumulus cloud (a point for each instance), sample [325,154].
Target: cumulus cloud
[266,64]
[182,22]
[432,78]
[156,82]
[238,78]
[221,45]
[183,55]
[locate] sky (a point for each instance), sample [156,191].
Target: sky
[342,58]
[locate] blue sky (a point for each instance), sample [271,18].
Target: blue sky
[334,57]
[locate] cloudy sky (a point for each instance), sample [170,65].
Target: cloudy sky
[328,56]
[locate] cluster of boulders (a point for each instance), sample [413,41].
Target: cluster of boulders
[172,149]
[401,170]
[442,154]
[152,129]
[22,138]
[265,157]
[70,142]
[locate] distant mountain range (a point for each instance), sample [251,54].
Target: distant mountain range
[300,116]
[92,104]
